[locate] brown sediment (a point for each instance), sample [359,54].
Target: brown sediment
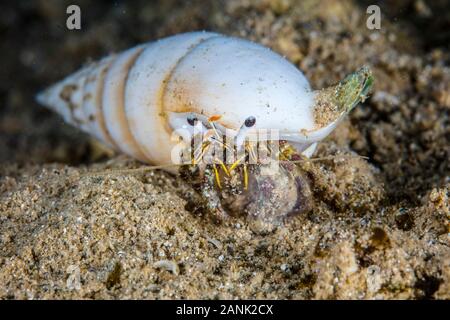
[325,111]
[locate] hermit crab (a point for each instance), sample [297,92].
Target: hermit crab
[197,104]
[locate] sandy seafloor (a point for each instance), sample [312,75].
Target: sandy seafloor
[379,228]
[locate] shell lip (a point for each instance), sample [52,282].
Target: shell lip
[184,121]
[311,136]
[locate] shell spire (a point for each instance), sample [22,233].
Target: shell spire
[79,99]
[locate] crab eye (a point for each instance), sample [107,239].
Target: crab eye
[250,122]
[192,119]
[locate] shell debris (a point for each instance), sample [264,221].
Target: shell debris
[168,265]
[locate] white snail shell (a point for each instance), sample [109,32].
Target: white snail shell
[134,100]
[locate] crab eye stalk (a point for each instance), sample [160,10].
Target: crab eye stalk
[250,122]
[192,120]
[240,136]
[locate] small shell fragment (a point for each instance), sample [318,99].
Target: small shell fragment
[167,265]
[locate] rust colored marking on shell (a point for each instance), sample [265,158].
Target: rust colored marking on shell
[182,96]
[67,91]
[82,89]
[130,139]
[214,118]
[166,81]
[66,95]
[99,104]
